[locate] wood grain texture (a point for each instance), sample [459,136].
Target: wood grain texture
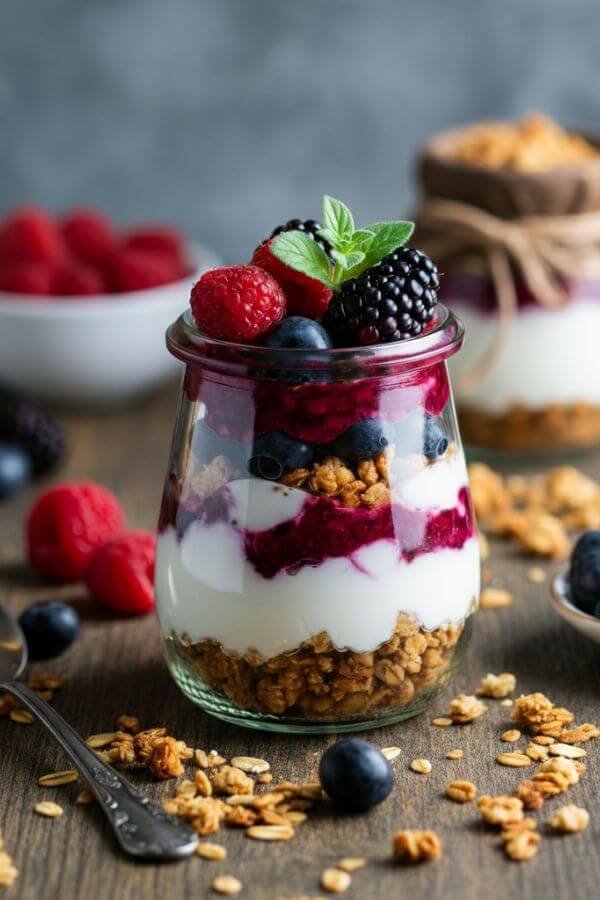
[116,667]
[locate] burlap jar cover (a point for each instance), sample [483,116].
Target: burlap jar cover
[539,228]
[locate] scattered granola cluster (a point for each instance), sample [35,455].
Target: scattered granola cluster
[366,484]
[317,680]
[45,685]
[8,872]
[533,144]
[414,846]
[537,512]
[154,748]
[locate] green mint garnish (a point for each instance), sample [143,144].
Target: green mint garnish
[353,250]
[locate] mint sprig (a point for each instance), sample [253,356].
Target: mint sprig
[353,250]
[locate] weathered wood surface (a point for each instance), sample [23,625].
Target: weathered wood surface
[116,667]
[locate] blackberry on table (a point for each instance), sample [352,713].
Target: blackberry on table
[391,301]
[309,227]
[37,432]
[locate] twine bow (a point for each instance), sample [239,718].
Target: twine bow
[545,250]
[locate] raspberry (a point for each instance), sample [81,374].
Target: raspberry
[120,573]
[89,235]
[137,270]
[78,279]
[33,278]
[31,235]
[305,296]
[66,523]
[237,303]
[159,239]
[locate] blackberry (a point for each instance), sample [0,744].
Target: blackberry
[391,301]
[309,227]
[36,431]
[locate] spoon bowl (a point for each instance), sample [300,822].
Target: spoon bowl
[560,595]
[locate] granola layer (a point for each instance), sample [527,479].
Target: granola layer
[316,680]
[546,429]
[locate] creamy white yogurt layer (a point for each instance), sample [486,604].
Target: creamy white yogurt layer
[206,588]
[549,356]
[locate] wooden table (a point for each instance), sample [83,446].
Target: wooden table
[116,667]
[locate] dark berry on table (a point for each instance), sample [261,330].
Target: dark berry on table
[585,572]
[391,301]
[49,628]
[362,440]
[296,333]
[276,453]
[435,441]
[355,775]
[38,432]
[15,470]
[308,226]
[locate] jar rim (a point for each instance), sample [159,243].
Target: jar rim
[441,340]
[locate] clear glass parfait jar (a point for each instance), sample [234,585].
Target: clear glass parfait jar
[317,563]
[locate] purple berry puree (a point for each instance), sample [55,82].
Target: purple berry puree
[325,530]
[317,413]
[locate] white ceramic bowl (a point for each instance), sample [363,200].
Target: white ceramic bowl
[93,351]
[584,623]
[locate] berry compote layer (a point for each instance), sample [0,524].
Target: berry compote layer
[532,395]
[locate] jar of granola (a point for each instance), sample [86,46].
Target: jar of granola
[512,215]
[317,563]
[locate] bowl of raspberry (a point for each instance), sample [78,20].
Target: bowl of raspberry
[317,565]
[84,305]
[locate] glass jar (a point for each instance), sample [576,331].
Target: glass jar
[317,562]
[540,390]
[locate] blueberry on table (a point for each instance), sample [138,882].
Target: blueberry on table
[355,775]
[585,572]
[435,441]
[275,453]
[15,470]
[49,628]
[362,440]
[298,333]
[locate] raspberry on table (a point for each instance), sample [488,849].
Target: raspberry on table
[38,279]
[305,296]
[237,303]
[120,573]
[31,235]
[66,523]
[138,270]
[89,235]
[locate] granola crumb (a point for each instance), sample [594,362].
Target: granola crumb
[442,721]
[497,686]
[570,819]
[460,791]
[522,846]
[8,872]
[335,881]
[466,708]
[579,735]
[495,598]
[84,798]
[56,779]
[569,751]
[421,766]
[265,778]
[165,761]
[21,716]
[211,851]
[416,846]
[532,709]
[536,575]
[226,884]
[48,808]
[270,832]
[507,702]
[513,759]
[130,724]
[500,809]
[250,765]
[351,863]
[391,753]
[543,740]
[455,754]
[511,736]
[231,780]
[536,752]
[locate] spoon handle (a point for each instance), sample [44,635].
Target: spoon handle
[142,829]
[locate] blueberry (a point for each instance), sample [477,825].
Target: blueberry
[585,572]
[49,628]
[15,470]
[297,333]
[362,440]
[355,774]
[435,442]
[275,453]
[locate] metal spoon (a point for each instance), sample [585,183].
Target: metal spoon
[142,829]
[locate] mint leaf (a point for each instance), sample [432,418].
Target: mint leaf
[388,237]
[348,260]
[337,219]
[297,250]
[362,239]
[328,235]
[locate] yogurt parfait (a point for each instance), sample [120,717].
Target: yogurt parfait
[317,562]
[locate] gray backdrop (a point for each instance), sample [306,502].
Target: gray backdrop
[229,116]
